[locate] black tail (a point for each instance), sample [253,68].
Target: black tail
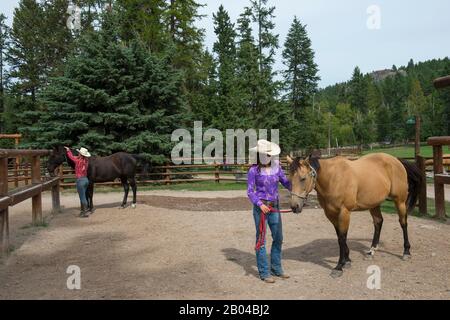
[145,164]
[415,181]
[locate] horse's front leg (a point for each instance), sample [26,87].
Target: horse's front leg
[341,224]
[90,196]
[134,189]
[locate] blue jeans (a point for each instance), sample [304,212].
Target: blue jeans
[274,221]
[82,185]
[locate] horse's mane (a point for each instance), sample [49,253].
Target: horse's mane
[313,161]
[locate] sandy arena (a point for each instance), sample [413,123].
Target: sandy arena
[200,245]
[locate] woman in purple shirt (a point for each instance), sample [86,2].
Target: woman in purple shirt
[262,190]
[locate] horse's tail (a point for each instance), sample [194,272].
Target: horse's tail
[145,164]
[415,181]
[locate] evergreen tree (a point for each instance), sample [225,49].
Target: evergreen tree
[180,16]
[300,76]
[4,38]
[143,19]
[416,100]
[26,52]
[37,53]
[112,97]
[225,50]
[247,63]
[358,91]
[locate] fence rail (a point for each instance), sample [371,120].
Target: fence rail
[10,197]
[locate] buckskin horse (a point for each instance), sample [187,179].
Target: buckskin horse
[344,186]
[120,165]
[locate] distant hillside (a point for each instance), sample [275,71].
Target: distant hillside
[425,71]
[376,106]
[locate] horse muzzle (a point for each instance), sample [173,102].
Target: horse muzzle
[297,206]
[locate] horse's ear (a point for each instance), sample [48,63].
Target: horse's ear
[313,161]
[289,159]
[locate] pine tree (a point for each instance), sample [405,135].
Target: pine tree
[26,52]
[247,63]
[143,19]
[358,91]
[4,38]
[38,52]
[416,100]
[113,97]
[225,50]
[301,71]
[180,17]
[267,42]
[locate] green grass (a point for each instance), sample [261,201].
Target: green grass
[406,151]
[389,207]
[191,186]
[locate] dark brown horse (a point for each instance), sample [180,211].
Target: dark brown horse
[344,186]
[120,165]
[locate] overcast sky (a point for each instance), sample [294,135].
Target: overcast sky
[340,34]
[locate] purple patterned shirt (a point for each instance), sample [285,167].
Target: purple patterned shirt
[264,185]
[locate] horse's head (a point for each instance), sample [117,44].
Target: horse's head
[56,158]
[303,176]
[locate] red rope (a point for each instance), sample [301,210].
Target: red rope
[262,227]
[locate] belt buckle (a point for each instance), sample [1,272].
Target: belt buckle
[269,203]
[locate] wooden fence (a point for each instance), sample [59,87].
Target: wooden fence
[33,189]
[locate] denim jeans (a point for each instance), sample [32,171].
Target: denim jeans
[82,185]
[274,221]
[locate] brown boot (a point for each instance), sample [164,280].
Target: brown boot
[269,280]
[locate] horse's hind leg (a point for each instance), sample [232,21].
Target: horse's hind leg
[126,188]
[403,219]
[341,225]
[378,224]
[134,189]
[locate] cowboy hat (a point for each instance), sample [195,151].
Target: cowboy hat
[267,147]
[84,152]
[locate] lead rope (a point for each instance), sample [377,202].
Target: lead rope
[263,227]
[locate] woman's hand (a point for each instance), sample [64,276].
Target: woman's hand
[264,208]
[67,148]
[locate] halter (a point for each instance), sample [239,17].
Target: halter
[305,194]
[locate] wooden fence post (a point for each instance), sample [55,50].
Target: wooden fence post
[216,173]
[61,175]
[16,172]
[56,205]
[439,192]
[4,213]
[423,190]
[167,178]
[37,199]
[26,173]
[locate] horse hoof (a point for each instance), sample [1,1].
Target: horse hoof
[133,206]
[121,207]
[347,265]
[336,273]
[406,257]
[368,256]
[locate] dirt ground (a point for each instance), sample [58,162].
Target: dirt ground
[200,245]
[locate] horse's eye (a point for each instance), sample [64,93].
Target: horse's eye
[303,179]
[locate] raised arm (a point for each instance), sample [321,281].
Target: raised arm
[70,155]
[251,184]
